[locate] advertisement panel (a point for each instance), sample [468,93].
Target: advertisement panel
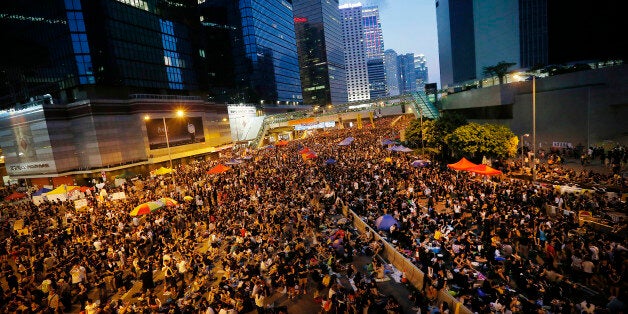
[244,122]
[181,131]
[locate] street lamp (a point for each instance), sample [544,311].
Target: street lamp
[180,113]
[533,128]
[522,136]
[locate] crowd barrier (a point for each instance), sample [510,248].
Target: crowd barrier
[412,273]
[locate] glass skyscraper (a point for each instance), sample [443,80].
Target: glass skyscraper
[355,52]
[407,78]
[420,71]
[392,72]
[75,49]
[374,42]
[262,49]
[321,56]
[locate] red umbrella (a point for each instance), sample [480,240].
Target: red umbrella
[305,150]
[15,196]
[218,169]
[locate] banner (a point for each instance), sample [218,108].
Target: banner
[80,204]
[562,145]
[371,118]
[244,122]
[180,131]
[118,196]
[359,118]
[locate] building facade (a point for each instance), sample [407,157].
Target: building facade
[456,43]
[584,108]
[421,74]
[392,72]
[261,49]
[407,78]
[320,50]
[374,42]
[82,76]
[355,52]
[474,34]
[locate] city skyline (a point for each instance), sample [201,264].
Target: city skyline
[409,27]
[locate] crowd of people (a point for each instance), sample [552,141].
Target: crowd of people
[270,225]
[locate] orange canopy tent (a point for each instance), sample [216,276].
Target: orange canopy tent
[282,143]
[218,169]
[462,164]
[484,170]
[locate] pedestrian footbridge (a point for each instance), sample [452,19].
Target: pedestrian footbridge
[416,103]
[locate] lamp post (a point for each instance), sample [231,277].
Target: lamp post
[180,113]
[533,128]
[522,136]
[422,133]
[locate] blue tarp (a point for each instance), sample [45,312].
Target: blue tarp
[233,162]
[346,142]
[400,148]
[41,191]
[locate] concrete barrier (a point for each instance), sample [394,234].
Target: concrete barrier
[414,275]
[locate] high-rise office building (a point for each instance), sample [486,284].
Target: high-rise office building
[74,49]
[474,34]
[456,41]
[407,79]
[392,72]
[262,47]
[355,52]
[420,71]
[79,49]
[374,42]
[320,49]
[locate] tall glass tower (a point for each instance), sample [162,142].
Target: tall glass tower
[374,42]
[420,71]
[407,79]
[392,72]
[270,61]
[321,56]
[355,52]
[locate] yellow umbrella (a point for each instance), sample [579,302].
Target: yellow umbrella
[188,198]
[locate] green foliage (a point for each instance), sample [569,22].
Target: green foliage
[500,70]
[413,133]
[476,140]
[434,132]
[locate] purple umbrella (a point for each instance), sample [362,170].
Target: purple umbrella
[385,222]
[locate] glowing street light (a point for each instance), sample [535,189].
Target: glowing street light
[179,113]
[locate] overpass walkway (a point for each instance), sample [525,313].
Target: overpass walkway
[418,101]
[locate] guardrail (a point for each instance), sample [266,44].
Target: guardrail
[414,275]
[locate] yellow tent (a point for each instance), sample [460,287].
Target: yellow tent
[162,171]
[62,189]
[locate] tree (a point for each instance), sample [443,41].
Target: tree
[477,140]
[500,70]
[434,132]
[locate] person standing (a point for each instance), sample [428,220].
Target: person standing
[54,304]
